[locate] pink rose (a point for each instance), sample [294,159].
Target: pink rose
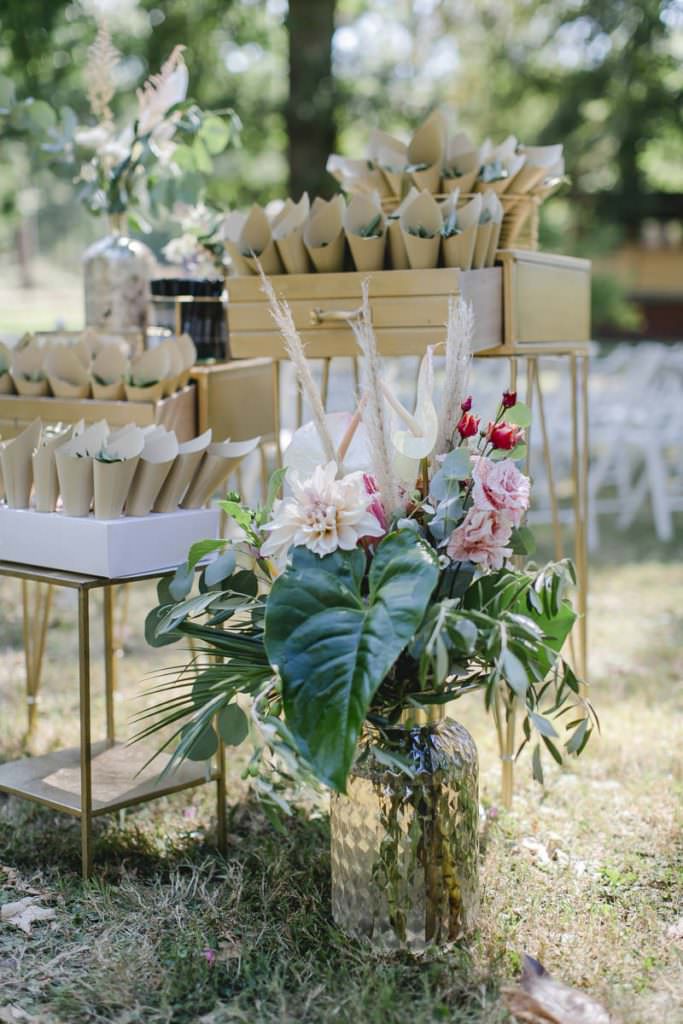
[500,487]
[481,537]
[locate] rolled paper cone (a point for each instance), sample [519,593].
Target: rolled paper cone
[493,243]
[75,476]
[269,258]
[481,246]
[31,388]
[112,482]
[463,182]
[216,466]
[292,252]
[154,466]
[153,365]
[367,253]
[182,471]
[6,384]
[422,212]
[175,366]
[427,179]
[114,392]
[423,253]
[17,466]
[428,144]
[152,393]
[395,181]
[45,479]
[458,250]
[328,259]
[398,256]
[498,187]
[239,264]
[527,178]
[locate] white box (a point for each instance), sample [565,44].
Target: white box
[112,548]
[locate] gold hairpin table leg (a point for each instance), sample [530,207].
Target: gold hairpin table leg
[109,664]
[85,740]
[36,604]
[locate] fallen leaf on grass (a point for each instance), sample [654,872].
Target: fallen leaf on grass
[539,999]
[24,913]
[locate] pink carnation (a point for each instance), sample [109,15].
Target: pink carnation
[482,537]
[500,487]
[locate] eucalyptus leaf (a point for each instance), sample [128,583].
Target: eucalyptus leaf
[204,746]
[152,621]
[542,724]
[220,568]
[181,584]
[518,414]
[233,725]
[201,548]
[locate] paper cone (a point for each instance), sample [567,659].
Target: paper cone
[367,253]
[182,471]
[112,479]
[152,366]
[256,243]
[361,176]
[481,246]
[27,368]
[17,466]
[175,365]
[398,255]
[216,466]
[74,461]
[512,165]
[229,233]
[427,146]
[188,351]
[461,173]
[423,211]
[156,461]
[458,250]
[288,236]
[391,156]
[45,479]
[6,385]
[492,214]
[66,374]
[324,235]
[237,260]
[152,393]
[108,370]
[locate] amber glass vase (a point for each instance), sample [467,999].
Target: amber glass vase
[405,847]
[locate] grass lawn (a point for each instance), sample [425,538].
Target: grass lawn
[588,875]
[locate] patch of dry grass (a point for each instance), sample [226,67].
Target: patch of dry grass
[587,876]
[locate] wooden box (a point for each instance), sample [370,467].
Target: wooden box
[177,412]
[236,399]
[547,299]
[409,309]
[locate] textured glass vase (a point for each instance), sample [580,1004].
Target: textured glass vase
[116,275]
[405,851]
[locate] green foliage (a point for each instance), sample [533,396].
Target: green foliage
[333,647]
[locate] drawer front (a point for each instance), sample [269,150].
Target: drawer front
[405,323]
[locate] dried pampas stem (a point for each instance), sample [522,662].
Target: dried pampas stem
[282,315]
[459,333]
[376,418]
[99,73]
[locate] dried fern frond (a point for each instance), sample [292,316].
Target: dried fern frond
[99,73]
[162,91]
[459,334]
[282,315]
[375,416]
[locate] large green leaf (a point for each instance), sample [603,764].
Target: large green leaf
[333,645]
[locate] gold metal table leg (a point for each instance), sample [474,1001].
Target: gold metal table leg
[86,740]
[36,605]
[109,664]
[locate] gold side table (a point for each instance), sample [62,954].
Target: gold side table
[99,778]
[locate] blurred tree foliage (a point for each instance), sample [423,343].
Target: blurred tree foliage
[603,76]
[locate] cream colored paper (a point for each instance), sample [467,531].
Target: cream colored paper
[17,466]
[256,243]
[367,253]
[148,373]
[481,246]
[216,466]
[45,479]
[66,373]
[422,212]
[74,462]
[512,165]
[324,235]
[492,204]
[427,146]
[361,176]
[156,461]
[112,479]
[458,251]
[182,471]
[174,372]
[288,234]
[391,155]
[108,370]
[398,256]
[188,357]
[28,373]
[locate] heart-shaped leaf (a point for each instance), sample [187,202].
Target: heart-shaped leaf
[233,725]
[333,645]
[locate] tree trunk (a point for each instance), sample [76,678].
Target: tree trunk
[310,108]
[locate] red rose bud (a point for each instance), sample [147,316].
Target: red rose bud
[504,435]
[468,425]
[509,399]
[467,404]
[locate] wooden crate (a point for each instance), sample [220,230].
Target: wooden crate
[236,399]
[546,299]
[177,412]
[409,309]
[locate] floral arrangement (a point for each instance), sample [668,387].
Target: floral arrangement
[382,583]
[164,152]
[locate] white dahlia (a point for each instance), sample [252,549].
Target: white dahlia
[322,514]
